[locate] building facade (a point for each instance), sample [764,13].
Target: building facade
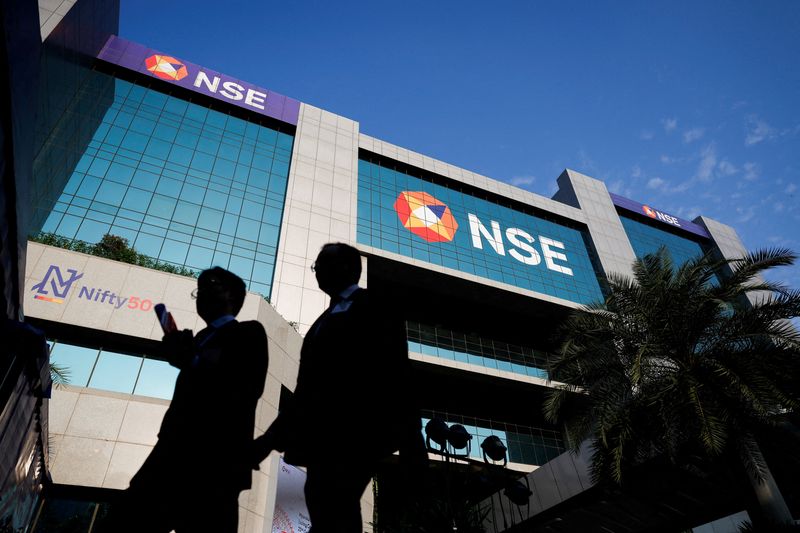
[196,168]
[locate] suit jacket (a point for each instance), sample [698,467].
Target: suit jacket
[208,428]
[353,388]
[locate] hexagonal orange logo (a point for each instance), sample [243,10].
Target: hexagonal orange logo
[166,67]
[425,216]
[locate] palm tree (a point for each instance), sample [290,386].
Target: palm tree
[678,360]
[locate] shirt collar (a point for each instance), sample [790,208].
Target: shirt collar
[221,321]
[348,292]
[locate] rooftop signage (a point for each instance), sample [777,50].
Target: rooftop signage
[139,58]
[429,222]
[655,214]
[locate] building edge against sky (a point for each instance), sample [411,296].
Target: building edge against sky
[196,168]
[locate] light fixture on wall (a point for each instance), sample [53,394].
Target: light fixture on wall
[459,439]
[436,430]
[494,449]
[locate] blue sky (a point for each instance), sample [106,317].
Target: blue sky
[691,107]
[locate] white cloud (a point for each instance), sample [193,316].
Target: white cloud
[655,183]
[616,186]
[670,124]
[745,213]
[646,135]
[751,171]
[758,131]
[726,168]
[790,189]
[587,164]
[708,160]
[778,207]
[519,181]
[636,171]
[693,134]
[689,213]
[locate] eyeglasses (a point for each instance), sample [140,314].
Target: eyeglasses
[208,284]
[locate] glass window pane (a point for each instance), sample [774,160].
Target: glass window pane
[115,372]
[76,360]
[157,379]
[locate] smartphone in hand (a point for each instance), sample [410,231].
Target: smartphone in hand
[165,319]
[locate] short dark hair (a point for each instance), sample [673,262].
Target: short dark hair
[230,281]
[350,259]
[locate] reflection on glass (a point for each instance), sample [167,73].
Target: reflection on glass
[187,168]
[76,360]
[489,353]
[525,445]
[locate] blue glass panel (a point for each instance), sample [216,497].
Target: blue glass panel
[92,231]
[199,257]
[137,199]
[148,244]
[162,206]
[144,180]
[77,361]
[157,159]
[187,213]
[115,372]
[156,379]
[111,192]
[135,141]
[174,251]
[169,187]
[646,239]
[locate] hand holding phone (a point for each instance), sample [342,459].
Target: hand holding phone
[165,319]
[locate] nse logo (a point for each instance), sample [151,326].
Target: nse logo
[55,283]
[432,220]
[658,215]
[166,67]
[170,69]
[425,216]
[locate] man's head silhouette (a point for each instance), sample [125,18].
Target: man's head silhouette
[219,293]
[338,266]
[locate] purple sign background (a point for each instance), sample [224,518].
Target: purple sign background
[132,56]
[636,207]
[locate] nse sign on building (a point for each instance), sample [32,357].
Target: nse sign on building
[403,214]
[219,86]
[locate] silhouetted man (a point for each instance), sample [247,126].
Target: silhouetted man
[351,406]
[192,478]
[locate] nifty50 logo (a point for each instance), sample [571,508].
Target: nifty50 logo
[170,69]
[432,221]
[54,283]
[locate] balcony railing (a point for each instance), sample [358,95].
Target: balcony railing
[476,350]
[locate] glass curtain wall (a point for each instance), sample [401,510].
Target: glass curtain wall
[185,184]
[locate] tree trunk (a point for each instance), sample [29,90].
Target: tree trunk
[773,507]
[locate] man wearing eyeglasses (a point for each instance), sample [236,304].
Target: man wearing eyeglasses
[192,478]
[352,406]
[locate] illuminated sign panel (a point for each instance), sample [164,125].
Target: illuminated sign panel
[406,215]
[199,79]
[660,216]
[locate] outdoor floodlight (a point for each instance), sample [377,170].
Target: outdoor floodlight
[459,438]
[436,430]
[518,493]
[494,449]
